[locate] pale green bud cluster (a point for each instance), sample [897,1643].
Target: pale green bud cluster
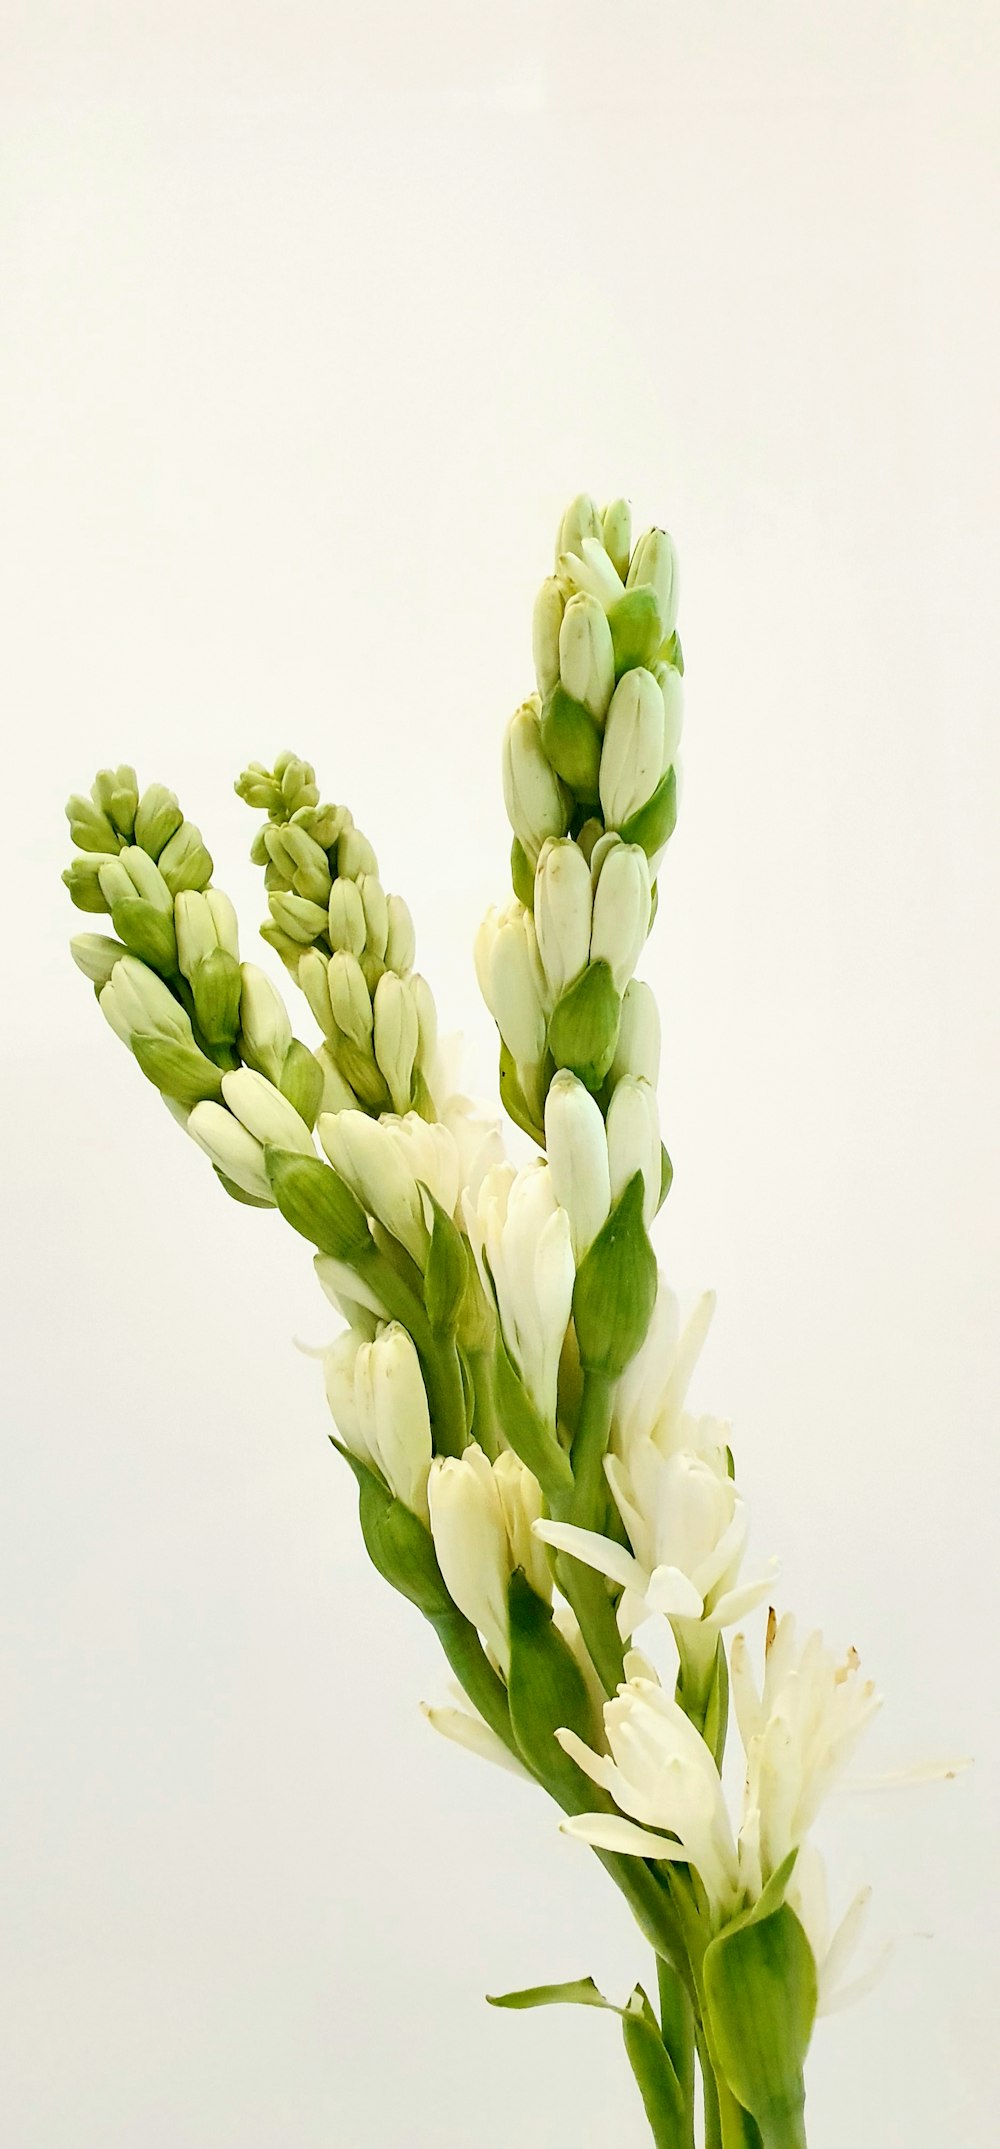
[348,944]
[172,985]
[589,778]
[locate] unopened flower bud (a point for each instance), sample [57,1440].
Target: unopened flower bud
[621,911]
[376,913]
[350,998]
[563,902]
[400,946]
[264,1112]
[654,561]
[346,927]
[232,1149]
[158,817]
[184,861]
[591,571]
[537,803]
[632,756]
[616,534]
[633,1138]
[96,955]
[580,520]
[266,1032]
[586,654]
[396,1037]
[550,605]
[577,1150]
[638,1048]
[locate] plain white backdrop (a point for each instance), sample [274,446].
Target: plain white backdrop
[313,318]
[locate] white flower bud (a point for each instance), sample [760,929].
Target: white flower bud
[231,1148]
[265,1113]
[396,1036]
[521,1239]
[195,929]
[400,946]
[346,918]
[586,654]
[96,955]
[510,981]
[376,910]
[580,520]
[590,571]
[621,910]
[616,534]
[563,908]
[470,1539]
[369,1161]
[654,564]
[224,919]
[633,1137]
[423,1001]
[577,1150]
[550,604]
[535,799]
[137,1003]
[264,1025]
[147,880]
[350,998]
[632,755]
[521,1501]
[638,1049]
[311,975]
[392,1407]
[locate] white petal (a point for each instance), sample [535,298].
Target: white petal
[475,1736]
[672,1593]
[612,1832]
[595,1551]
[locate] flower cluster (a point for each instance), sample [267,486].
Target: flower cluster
[510,1388]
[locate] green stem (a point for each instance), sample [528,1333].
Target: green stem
[677,2031]
[590,1443]
[713,2120]
[475,1674]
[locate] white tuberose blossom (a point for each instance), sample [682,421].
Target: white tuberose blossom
[378,1402]
[481,1515]
[798,1733]
[521,1239]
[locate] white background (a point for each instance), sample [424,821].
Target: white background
[313,317]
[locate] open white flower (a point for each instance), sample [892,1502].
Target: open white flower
[463,1726]
[687,1527]
[650,1397]
[662,1776]
[799,1732]
[521,1239]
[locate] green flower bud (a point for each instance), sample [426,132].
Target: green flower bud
[216,986]
[266,1032]
[354,854]
[336,1094]
[586,655]
[346,918]
[350,999]
[315,1201]
[616,535]
[91,828]
[399,1546]
[83,880]
[178,1070]
[236,1154]
[572,743]
[302,1082]
[521,874]
[550,605]
[636,628]
[376,910]
[312,976]
[583,1026]
[158,817]
[184,861]
[116,792]
[310,869]
[96,955]
[654,562]
[299,919]
[615,1288]
[400,946]
[147,932]
[580,521]
[546,1691]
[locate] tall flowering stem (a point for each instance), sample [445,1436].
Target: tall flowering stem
[509,1386]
